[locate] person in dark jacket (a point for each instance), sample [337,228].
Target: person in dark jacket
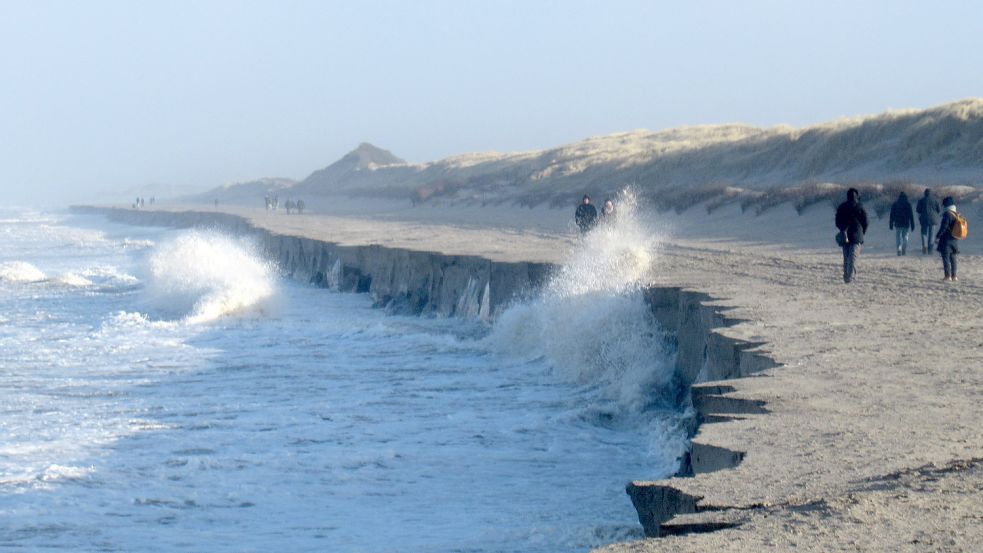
[902,221]
[586,215]
[851,219]
[947,245]
[928,216]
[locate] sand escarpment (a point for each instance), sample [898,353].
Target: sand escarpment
[705,358]
[400,280]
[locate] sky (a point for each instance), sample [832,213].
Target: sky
[101,96]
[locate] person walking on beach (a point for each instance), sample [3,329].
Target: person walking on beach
[586,215]
[902,221]
[946,239]
[851,219]
[928,216]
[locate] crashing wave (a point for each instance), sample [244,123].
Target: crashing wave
[20,271]
[73,279]
[591,323]
[202,276]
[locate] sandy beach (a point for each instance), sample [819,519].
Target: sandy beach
[871,440]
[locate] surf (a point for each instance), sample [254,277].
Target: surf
[21,271]
[590,324]
[200,276]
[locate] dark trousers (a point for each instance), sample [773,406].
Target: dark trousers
[949,261]
[851,252]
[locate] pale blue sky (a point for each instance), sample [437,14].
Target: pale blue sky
[110,95]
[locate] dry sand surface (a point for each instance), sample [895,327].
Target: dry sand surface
[873,439]
[508,235]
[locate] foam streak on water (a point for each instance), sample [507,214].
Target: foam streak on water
[159,402]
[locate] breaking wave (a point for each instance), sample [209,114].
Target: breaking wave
[591,326]
[20,271]
[73,279]
[201,276]
[591,323]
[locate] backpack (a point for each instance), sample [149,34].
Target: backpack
[960,228]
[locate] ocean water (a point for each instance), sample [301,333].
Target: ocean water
[166,390]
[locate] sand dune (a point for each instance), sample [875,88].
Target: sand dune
[937,146]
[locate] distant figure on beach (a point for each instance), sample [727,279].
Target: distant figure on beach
[902,221]
[266,201]
[851,219]
[586,215]
[928,216]
[289,205]
[946,240]
[152,200]
[607,212]
[216,203]
[300,207]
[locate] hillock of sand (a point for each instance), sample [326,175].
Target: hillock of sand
[939,146]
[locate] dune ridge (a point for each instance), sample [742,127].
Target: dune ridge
[942,145]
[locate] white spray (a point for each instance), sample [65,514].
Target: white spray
[591,323]
[20,271]
[206,275]
[593,327]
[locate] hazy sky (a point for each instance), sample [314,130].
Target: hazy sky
[112,95]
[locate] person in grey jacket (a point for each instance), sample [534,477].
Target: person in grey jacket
[902,221]
[928,216]
[947,245]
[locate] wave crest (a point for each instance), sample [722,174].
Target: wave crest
[591,323]
[20,271]
[203,276]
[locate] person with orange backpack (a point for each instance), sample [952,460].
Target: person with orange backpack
[952,228]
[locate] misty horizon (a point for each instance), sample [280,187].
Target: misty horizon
[112,97]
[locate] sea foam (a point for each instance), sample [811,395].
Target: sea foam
[201,276]
[20,271]
[591,323]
